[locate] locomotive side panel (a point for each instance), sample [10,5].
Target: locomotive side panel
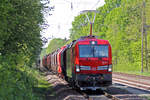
[73,56]
[68,63]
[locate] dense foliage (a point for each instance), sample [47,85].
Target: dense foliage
[20,43]
[120,22]
[20,30]
[43,53]
[55,44]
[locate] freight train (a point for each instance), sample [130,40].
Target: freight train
[85,63]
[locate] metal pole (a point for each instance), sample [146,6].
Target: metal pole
[143,6]
[91,28]
[145,33]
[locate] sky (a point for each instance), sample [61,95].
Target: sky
[63,14]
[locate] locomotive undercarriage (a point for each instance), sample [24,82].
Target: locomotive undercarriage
[94,81]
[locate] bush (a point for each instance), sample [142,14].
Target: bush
[17,83]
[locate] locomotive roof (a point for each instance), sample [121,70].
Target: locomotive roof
[90,38]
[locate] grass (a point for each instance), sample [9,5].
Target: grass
[130,69]
[136,73]
[43,86]
[22,83]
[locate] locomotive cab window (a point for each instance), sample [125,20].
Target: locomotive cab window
[93,50]
[101,51]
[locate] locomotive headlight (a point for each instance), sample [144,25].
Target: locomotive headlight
[93,42]
[77,68]
[110,68]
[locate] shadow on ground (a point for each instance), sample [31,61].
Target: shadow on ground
[60,92]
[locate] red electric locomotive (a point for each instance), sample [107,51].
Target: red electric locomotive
[88,63]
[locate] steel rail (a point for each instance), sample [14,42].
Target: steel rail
[132,84]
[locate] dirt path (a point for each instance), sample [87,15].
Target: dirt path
[60,89]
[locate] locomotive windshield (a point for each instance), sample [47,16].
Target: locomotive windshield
[93,50]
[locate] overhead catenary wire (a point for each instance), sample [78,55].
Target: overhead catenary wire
[74,6]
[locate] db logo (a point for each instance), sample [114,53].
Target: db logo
[93,68]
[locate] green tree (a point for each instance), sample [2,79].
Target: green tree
[20,43]
[118,21]
[55,44]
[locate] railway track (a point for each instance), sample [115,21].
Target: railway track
[140,82]
[140,85]
[96,95]
[62,88]
[64,91]
[106,95]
